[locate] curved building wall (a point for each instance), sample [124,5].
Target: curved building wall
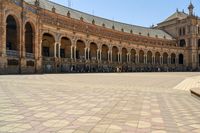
[63,43]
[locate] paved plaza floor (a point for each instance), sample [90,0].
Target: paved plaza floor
[99,103]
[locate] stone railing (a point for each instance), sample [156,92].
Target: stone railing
[65,59]
[12,53]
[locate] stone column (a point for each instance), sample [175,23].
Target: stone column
[136,58]
[89,54]
[85,53]
[97,55]
[75,53]
[100,53]
[169,60]
[161,60]
[153,59]
[145,59]
[55,49]
[118,57]
[59,45]
[176,60]
[111,59]
[72,52]
[3,60]
[128,57]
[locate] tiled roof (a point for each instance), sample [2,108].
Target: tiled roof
[144,31]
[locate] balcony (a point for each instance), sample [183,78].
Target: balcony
[44,58]
[30,56]
[12,53]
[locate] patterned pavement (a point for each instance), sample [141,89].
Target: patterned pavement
[99,103]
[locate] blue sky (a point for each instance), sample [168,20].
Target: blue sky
[137,12]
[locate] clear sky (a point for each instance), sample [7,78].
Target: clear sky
[137,12]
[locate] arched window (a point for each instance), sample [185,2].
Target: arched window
[29,38]
[11,33]
[182,43]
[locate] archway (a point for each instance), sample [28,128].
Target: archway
[133,55]
[181,59]
[93,51]
[29,43]
[65,48]
[157,58]
[165,58]
[173,58]
[104,53]
[48,42]
[182,43]
[199,43]
[124,55]
[80,50]
[141,56]
[149,57]
[12,36]
[115,54]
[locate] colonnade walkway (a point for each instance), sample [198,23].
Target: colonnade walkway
[99,103]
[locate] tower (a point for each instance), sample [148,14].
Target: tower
[190,8]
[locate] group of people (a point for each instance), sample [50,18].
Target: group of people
[96,69]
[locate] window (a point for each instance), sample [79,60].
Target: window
[180,32]
[183,31]
[182,43]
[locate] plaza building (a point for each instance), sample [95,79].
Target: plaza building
[40,36]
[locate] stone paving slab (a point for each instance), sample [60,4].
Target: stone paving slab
[98,103]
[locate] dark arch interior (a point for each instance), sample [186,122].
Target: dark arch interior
[80,50]
[141,56]
[165,58]
[115,54]
[173,58]
[157,58]
[104,53]
[181,58]
[11,33]
[48,45]
[65,49]
[124,55]
[133,55]
[93,51]
[28,38]
[199,43]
